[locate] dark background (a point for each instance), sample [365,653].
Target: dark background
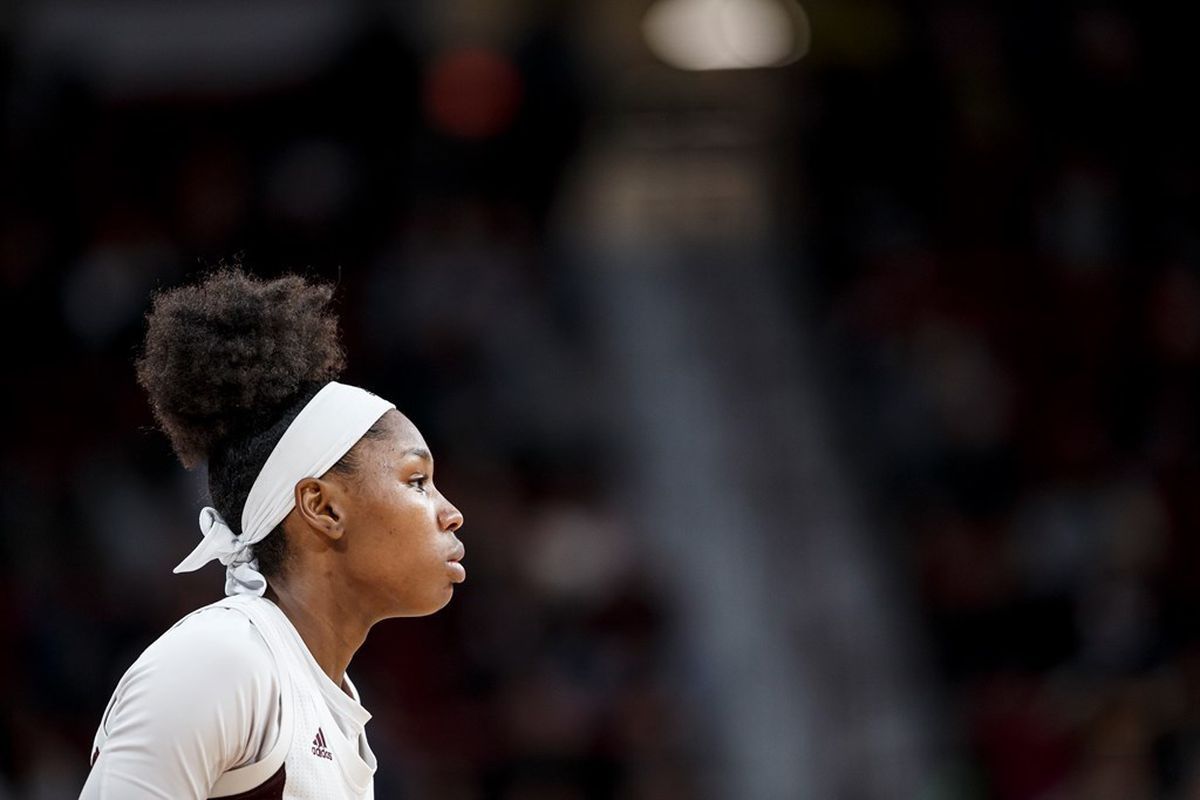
[821,431]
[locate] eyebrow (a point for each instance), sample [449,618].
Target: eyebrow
[419,452]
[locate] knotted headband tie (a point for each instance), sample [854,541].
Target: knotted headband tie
[324,431]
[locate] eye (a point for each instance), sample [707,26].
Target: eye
[418,482]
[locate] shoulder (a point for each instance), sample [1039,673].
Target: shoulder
[210,663]
[217,642]
[202,699]
[217,633]
[208,686]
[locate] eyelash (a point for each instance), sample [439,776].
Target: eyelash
[418,483]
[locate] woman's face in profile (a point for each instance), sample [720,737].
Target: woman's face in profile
[400,537]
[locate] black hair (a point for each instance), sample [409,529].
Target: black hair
[228,363]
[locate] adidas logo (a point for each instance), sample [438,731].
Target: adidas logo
[319,748]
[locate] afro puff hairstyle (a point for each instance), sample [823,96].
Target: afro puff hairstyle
[228,363]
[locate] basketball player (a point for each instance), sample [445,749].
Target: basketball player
[327,520]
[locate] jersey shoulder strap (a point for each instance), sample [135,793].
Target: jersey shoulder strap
[248,781]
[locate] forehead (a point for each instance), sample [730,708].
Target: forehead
[402,437]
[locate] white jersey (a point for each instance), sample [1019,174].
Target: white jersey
[230,703]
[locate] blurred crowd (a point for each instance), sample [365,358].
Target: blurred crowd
[1006,203]
[999,206]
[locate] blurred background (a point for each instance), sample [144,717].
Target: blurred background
[818,380]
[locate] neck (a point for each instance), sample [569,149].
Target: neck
[331,632]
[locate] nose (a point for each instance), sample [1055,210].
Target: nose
[451,518]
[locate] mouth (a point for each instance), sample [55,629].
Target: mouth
[458,571]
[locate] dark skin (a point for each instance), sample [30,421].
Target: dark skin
[368,547]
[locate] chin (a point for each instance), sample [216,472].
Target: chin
[434,605]
[445,601]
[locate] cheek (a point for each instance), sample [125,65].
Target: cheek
[406,554]
[403,525]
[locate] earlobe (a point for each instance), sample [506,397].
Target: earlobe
[320,506]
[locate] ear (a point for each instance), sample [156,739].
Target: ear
[321,505]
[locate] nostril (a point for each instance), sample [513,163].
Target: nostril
[454,521]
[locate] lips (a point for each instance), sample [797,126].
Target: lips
[458,570]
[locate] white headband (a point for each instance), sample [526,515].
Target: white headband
[324,431]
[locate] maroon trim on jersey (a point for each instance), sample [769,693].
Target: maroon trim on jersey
[270,789]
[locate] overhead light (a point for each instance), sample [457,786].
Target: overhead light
[726,34]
